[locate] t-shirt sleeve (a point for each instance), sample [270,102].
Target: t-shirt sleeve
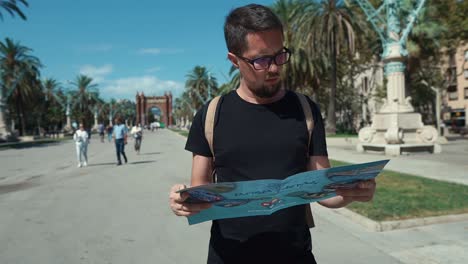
[318,144]
[196,141]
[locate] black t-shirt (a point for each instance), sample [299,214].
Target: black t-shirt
[260,141]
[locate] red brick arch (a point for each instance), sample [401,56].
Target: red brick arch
[145,103]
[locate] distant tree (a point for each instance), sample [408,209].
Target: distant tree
[200,86]
[11,7]
[327,27]
[85,97]
[19,76]
[52,111]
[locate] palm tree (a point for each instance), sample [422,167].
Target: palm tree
[109,110]
[50,86]
[54,102]
[201,86]
[305,68]
[85,97]
[11,6]
[19,75]
[326,28]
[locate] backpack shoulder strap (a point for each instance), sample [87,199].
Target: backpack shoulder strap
[310,127]
[209,122]
[307,113]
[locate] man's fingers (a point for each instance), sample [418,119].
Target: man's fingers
[184,209]
[354,192]
[367,184]
[363,192]
[178,197]
[195,207]
[178,205]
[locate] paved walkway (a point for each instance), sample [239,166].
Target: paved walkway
[450,165]
[435,244]
[53,212]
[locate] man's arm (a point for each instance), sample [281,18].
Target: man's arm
[363,192]
[202,168]
[318,163]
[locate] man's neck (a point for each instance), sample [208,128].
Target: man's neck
[248,96]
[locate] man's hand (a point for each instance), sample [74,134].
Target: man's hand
[363,192]
[178,205]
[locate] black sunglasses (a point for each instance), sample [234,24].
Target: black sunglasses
[263,63]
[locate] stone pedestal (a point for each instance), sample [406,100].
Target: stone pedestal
[95,126]
[394,133]
[3,128]
[68,127]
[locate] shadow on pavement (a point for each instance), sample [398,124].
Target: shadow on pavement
[26,184]
[101,164]
[142,162]
[151,153]
[32,144]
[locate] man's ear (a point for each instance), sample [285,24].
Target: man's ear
[234,60]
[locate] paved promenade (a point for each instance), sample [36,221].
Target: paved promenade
[53,212]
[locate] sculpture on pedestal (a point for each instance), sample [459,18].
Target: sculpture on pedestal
[396,127]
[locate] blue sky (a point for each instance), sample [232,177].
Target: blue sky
[126,46]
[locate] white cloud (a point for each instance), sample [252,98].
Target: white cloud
[149,85]
[97,73]
[157,51]
[152,51]
[154,69]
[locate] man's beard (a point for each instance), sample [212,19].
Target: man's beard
[267,91]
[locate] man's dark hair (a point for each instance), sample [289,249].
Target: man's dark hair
[248,19]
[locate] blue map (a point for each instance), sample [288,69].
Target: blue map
[264,197]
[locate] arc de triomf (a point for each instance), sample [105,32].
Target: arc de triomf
[147,104]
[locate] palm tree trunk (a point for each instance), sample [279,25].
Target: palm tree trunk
[331,113]
[19,112]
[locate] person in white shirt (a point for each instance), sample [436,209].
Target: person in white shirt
[137,134]
[81,138]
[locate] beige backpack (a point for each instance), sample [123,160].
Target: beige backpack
[209,127]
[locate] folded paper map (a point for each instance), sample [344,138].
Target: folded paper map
[264,197]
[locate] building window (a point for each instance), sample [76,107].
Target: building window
[453,95]
[465,73]
[466,92]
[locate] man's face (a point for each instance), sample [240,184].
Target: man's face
[263,83]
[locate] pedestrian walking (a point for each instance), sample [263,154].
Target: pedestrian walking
[81,139]
[120,139]
[109,130]
[137,134]
[272,143]
[101,130]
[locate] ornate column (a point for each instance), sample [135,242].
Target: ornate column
[67,113]
[396,127]
[3,128]
[95,119]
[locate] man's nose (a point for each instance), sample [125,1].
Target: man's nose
[273,67]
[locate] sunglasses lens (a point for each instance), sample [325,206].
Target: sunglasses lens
[262,63]
[282,58]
